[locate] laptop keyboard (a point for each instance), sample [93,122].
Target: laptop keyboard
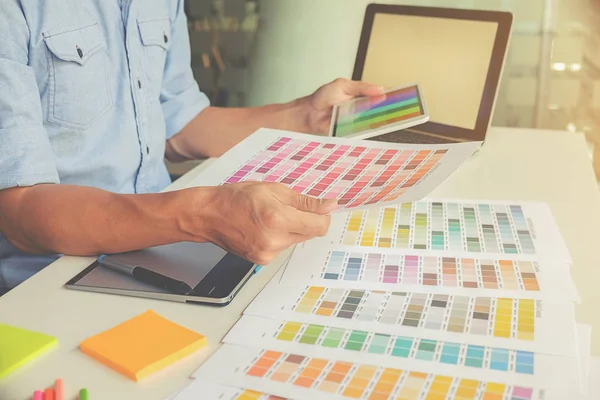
[409,137]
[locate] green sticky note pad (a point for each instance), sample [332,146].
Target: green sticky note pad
[19,346]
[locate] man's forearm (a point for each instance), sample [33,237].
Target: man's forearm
[76,220]
[215,130]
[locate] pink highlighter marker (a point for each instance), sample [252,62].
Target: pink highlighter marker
[38,395]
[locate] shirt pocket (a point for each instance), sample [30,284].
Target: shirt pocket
[155,35]
[78,87]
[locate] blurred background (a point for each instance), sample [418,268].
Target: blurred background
[256,52]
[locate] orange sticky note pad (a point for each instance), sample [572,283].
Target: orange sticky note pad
[143,345]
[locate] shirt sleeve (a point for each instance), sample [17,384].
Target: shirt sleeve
[26,157]
[180,97]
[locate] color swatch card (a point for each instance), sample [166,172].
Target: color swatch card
[313,262]
[305,377]
[455,227]
[20,346]
[518,324]
[399,108]
[203,389]
[357,173]
[143,345]
[406,352]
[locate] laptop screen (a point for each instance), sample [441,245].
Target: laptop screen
[449,58]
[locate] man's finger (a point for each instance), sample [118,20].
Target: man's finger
[358,88]
[312,204]
[306,224]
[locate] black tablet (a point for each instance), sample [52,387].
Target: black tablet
[214,275]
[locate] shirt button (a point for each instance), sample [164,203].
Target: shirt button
[80,52]
[139,84]
[147,150]
[165,38]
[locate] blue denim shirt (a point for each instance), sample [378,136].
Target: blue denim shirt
[90,90]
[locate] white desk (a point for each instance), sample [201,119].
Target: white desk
[513,165]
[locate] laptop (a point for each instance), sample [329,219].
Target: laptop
[456,56]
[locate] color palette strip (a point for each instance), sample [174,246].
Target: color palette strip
[355,175]
[373,112]
[435,351]
[487,316]
[361,381]
[475,228]
[469,273]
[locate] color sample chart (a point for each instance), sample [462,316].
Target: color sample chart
[432,271]
[356,345]
[355,267]
[498,228]
[408,347]
[512,323]
[202,389]
[355,175]
[299,376]
[373,112]
[451,313]
[443,226]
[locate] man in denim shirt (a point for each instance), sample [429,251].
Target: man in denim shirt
[93,96]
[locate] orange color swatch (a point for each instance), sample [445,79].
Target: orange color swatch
[143,345]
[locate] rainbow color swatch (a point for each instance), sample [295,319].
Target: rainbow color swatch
[476,228]
[374,112]
[361,381]
[460,272]
[436,351]
[487,316]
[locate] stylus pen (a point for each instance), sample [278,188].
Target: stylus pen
[145,275]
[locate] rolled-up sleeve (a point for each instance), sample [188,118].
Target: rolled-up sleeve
[180,97]
[26,157]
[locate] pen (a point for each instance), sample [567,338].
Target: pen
[38,395]
[145,275]
[83,394]
[58,390]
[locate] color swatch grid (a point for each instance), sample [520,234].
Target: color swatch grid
[431,270]
[477,228]
[355,175]
[497,317]
[437,351]
[373,112]
[360,381]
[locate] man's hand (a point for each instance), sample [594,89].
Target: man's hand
[258,220]
[320,104]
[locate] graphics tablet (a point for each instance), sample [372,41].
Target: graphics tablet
[367,117]
[215,275]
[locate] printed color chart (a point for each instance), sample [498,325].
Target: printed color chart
[432,271]
[464,360]
[201,389]
[459,314]
[372,113]
[441,226]
[356,173]
[512,323]
[314,262]
[299,376]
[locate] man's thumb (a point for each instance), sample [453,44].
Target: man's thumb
[314,205]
